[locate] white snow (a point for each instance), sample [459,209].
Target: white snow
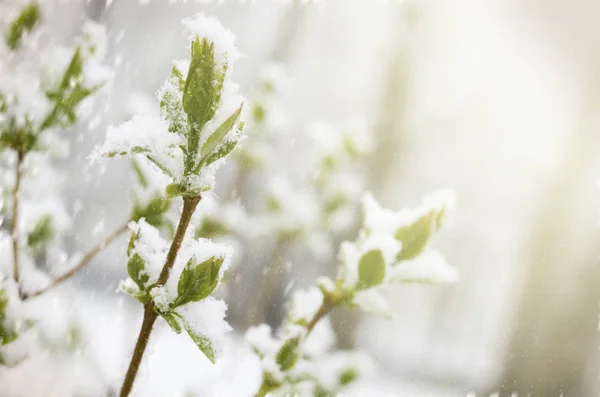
[145,133]
[210,28]
[207,318]
[429,267]
[305,303]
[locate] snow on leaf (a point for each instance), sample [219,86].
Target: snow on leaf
[142,134]
[205,323]
[429,267]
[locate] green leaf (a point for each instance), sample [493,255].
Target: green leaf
[371,269]
[259,113]
[222,150]
[210,228]
[203,343]
[269,384]
[348,376]
[137,271]
[7,335]
[415,237]
[197,281]
[171,319]
[139,173]
[142,296]
[201,95]
[175,189]
[22,139]
[41,233]
[288,354]
[73,71]
[153,212]
[203,84]
[68,95]
[171,104]
[217,136]
[25,22]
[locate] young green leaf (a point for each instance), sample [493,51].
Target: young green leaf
[25,22]
[269,384]
[7,335]
[172,320]
[414,237]
[217,136]
[142,179]
[201,95]
[153,212]
[175,189]
[197,281]
[171,106]
[203,343]
[371,269]
[41,233]
[137,271]
[348,376]
[288,354]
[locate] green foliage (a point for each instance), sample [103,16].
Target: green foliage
[20,139]
[7,334]
[154,211]
[68,95]
[175,189]
[203,86]
[268,385]
[415,236]
[348,376]
[41,234]
[320,391]
[197,281]
[210,228]
[259,113]
[137,271]
[288,354]
[171,319]
[171,107]
[371,269]
[203,343]
[201,94]
[214,148]
[25,22]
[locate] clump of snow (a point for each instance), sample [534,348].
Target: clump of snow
[210,28]
[207,318]
[304,304]
[372,301]
[150,246]
[379,221]
[429,267]
[143,133]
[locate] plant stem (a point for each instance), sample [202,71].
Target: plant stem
[189,206]
[324,310]
[329,302]
[14,229]
[84,261]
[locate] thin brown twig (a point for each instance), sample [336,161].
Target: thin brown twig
[81,264]
[189,206]
[14,226]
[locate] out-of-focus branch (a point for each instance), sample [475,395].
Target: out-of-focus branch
[81,264]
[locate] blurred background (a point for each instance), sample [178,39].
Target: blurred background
[497,100]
